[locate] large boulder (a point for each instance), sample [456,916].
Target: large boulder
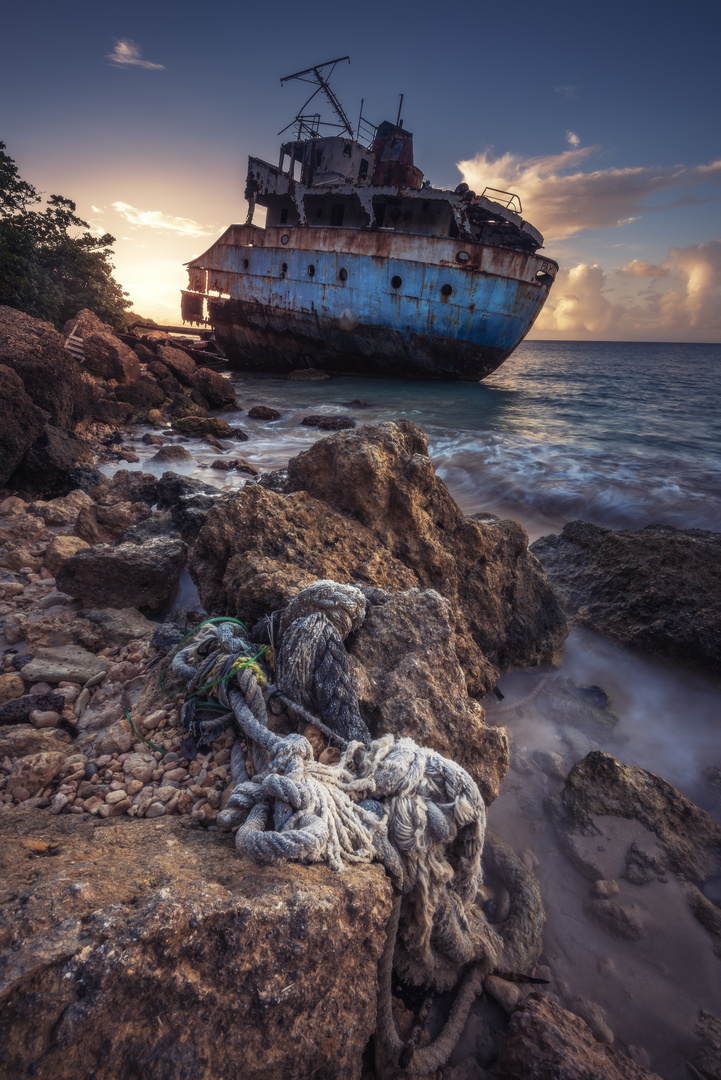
[22,422]
[107,355]
[169,956]
[657,590]
[143,576]
[144,394]
[98,524]
[545,1042]
[217,390]
[36,351]
[406,673]
[367,507]
[47,465]
[178,363]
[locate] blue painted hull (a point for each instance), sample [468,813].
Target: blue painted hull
[370,302]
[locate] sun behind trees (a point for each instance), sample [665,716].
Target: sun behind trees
[45,271]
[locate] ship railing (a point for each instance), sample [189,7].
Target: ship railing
[512,202]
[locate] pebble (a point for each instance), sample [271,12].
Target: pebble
[134,786]
[91,770]
[116,796]
[20,794]
[174,774]
[172,756]
[605,888]
[59,803]
[508,995]
[44,719]
[156,809]
[40,688]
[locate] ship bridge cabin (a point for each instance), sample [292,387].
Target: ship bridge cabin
[337,182]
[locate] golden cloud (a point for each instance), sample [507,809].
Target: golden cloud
[156,219]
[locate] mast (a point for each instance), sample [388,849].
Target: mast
[313,76]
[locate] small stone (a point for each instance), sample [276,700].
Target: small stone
[116,796]
[508,995]
[605,889]
[20,794]
[605,967]
[59,803]
[93,804]
[330,756]
[156,809]
[121,807]
[149,723]
[174,774]
[40,688]
[133,787]
[11,687]
[44,718]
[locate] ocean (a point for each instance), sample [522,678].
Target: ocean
[622,435]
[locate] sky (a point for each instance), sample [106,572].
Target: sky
[604,118]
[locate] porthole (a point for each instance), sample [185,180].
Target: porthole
[396,281]
[462,257]
[311,270]
[284,238]
[446,290]
[245,264]
[343,274]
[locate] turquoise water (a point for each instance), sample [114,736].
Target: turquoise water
[621,434]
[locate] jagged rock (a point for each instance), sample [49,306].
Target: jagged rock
[265,973]
[11,687]
[203,425]
[108,410]
[88,479]
[101,524]
[171,454]
[217,390]
[160,523]
[48,463]
[127,485]
[409,682]
[20,708]
[61,548]
[118,626]
[545,1042]
[143,576]
[36,770]
[328,423]
[263,412]
[22,739]
[52,379]
[642,588]
[178,363]
[22,422]
[708,1059]
[62,511]
[601,785]
[143,394]
[367,507]
[107,355]
[64,663]
[84,323]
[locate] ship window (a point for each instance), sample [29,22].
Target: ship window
[337,211]
[284,216]
[343,274]
[363,171]
[311,270]
[380,213]
[396,281]
[462,257]
[245,264]
[284,238]
[319,157]
[284,269]
[446,290]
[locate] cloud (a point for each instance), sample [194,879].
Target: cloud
[567,91]
[684,303]
[561,199]
[126,52]
[644,270]
[156,219]
[572,138]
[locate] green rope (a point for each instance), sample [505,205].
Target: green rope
[229,676]
[171,655]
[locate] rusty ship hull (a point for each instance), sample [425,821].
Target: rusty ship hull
[363,267]
[368,302]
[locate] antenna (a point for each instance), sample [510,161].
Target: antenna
[313,76]
[400,106]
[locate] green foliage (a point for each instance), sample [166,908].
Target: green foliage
[44,270]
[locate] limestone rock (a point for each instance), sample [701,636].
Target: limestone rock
[409,682]
[130,575]
[642,588]
[217,390]
[11,687]
[203,425]
[599,785]
[98,524]
[60,549]
[48,463]
[263,412]
[143,394]
[265,973]
[34,771]
[49,373]
[128,485]
[107,355]
[64,663]
[367,507]
[62,511]
[118,626]
[22,422]
[180,365]
[545,1041]
[84,323]
[171,455]
[21,739]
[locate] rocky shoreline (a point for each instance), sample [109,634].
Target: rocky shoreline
[135,941]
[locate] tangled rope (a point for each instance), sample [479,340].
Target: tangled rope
[388,800]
